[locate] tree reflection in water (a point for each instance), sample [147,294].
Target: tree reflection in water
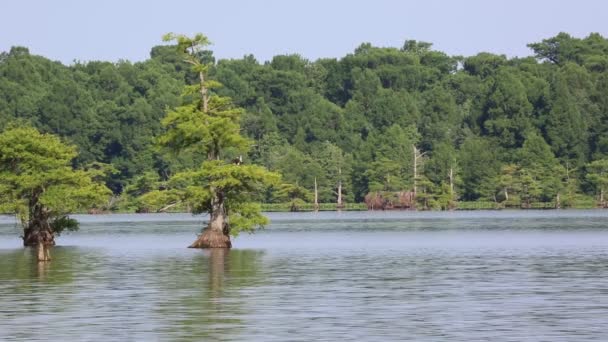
[129,295]
[21,265]
[216,308]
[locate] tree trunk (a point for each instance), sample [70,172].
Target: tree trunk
[340,204]
[204,91]
[40,235]
[33,235]
[44,252]
[451,178]
[417,156]
[415,169]
[316,205]
[451,203]
[217,232]
[38,232]
[167,207]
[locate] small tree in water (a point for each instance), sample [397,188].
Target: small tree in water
[40,186]
[208,124]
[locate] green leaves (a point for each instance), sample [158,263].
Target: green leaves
[245,217]
[598,175]
[234,180]
[112,112]
[240,184]
[209,124]
[158,200]
[288,192]
[183,41]
[36,170]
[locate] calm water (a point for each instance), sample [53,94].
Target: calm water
[464,276]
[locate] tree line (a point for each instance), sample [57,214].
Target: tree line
[379,121]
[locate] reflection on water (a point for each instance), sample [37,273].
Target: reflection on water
[342,277]
[201,300]
[84,294]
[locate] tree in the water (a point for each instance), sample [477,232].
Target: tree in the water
[40,186]
[208,124]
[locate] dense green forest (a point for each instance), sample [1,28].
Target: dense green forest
[376,122]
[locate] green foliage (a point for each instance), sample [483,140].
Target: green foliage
[427,195]
[564,48]
[391,168]
[157,201]
[480,165]
[336,172]
[288,192]
[209,124]
[295,166]
[64,223]
[37,176]
[509,112]
[239,183]
[472,115]
[598,176]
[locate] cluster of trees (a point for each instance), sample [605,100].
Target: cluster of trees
[42,187]
[448,128]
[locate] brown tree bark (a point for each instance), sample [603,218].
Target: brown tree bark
[217,232]
[32,236]
[40,235]
[38,232]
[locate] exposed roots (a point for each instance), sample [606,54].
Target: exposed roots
[212,239]
[33,237]
[41,239]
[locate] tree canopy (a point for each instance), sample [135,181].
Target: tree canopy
[208,124]
[477,121]
[41,187]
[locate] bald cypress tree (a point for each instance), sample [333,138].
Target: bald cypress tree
[40,186]
[208,124]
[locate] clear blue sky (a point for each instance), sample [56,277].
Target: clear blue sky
[68,30]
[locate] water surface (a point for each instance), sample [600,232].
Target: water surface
[460,276]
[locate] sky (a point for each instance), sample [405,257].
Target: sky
[82,30]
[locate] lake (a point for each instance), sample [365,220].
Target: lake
[372,276]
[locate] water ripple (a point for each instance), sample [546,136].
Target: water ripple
[461,278]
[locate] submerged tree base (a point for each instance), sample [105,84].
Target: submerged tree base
[41,239]
[212,239]
[33,237]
